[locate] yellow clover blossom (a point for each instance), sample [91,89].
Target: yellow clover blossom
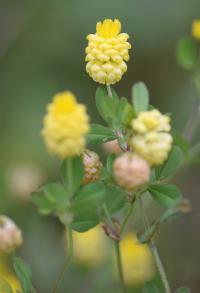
[65,126]
[196,29]
[137,261]
[151,121]
[107,52]
[90,248]
[152,139]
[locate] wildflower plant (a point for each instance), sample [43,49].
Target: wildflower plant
[90,193]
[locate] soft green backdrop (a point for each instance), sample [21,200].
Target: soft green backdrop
[41,52]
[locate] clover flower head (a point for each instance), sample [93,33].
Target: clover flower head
[65,126]
[137,261]
[196,29]
[107,52]
[92,166]
[151,121]
[10,235]
[131,171]
[151,138]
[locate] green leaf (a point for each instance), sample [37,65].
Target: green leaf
[4,286]
[24,275]
[170,165]
[99,134]
[140,97]
[103,91]
[167,195]
[187,53]
[150,288]
[183,290]
[51,197]
[72,172]
[106,106]
[125,112]
[115,198]
[86,206]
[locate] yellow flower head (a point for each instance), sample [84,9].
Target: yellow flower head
[151,121]
[137,261]
[107,52]
[151,139]
[65,126]
[90,248]
[196,29]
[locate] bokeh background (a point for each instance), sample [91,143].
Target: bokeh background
[42,52]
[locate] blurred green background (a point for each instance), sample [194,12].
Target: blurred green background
[42,52]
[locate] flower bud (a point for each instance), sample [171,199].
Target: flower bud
[10,235]
[112,147]
[92,167]
[131,171]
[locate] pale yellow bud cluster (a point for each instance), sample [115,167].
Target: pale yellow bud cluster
[65,126]
[137,261]
[151,138]
[107,52]
[92,167]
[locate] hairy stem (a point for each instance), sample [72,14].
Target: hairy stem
[119,266]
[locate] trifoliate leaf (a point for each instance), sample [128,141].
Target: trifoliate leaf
[51,197]
[167,195]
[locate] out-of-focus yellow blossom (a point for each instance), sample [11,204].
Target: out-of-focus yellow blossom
[90,248]
[154,147]
[151,121]
[137,261]
[196,29]
[7,274]
[151,139]
[107,52]
[65,126]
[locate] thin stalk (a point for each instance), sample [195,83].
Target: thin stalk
[154,250]
[119,266]
[128,215]
[68,260]
[109,90]
[160,267]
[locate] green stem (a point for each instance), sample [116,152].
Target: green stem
[128,215]
[70,246]
[109,90]
[68,261]
[160,267]
[154,250]
[119,266]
